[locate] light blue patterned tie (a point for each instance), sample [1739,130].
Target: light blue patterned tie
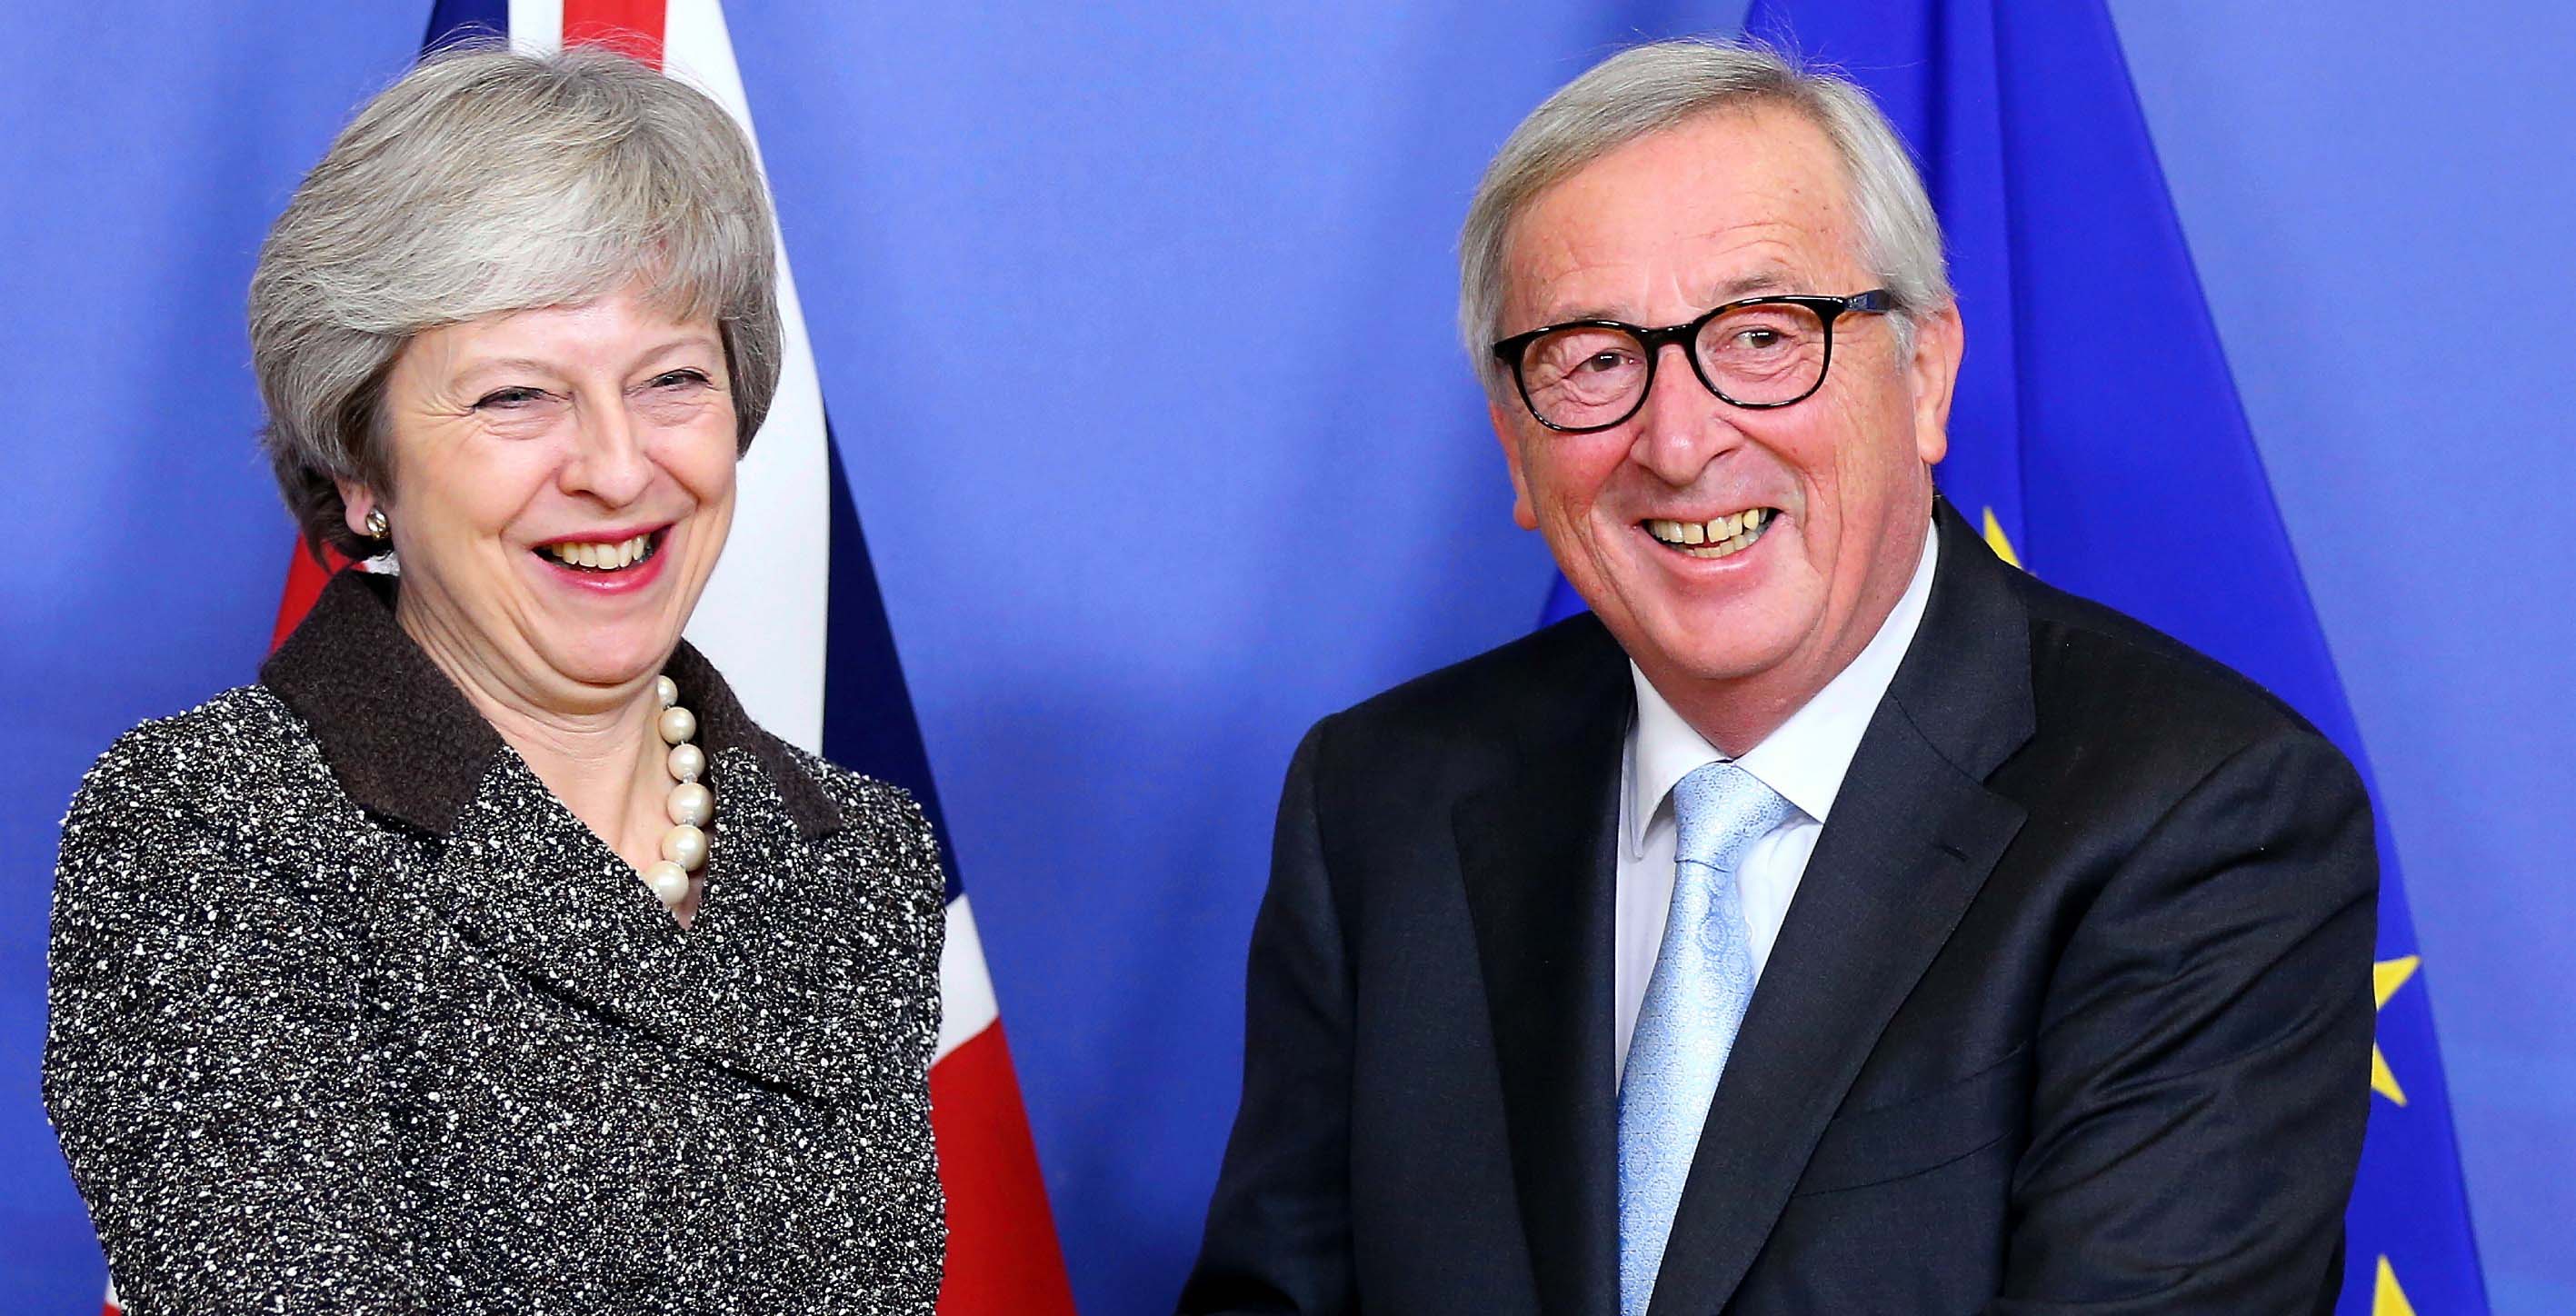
[1694,1002]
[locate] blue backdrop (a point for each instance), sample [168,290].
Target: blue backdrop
[1119,605]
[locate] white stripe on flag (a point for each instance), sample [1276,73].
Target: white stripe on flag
[762,619]
[965,989]
[536,26]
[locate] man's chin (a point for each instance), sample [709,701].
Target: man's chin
[1705,666]
[1702,645]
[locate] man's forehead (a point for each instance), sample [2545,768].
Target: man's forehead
[1730,204]
[1712,265]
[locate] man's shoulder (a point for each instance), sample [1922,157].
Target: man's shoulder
[2100,675]
[1506,698]
[1549,706]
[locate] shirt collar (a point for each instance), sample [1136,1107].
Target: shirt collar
[1807,758]
[405,742]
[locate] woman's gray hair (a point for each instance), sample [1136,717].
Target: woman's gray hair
[1647,89]
[483,182]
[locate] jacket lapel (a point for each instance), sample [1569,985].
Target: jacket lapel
[526,882]
[1890,878]
[763,983]
[1535,850]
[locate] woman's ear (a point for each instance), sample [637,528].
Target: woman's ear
[362,510]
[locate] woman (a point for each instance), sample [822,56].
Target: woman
[485,957]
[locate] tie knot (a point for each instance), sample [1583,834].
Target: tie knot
[1720,809]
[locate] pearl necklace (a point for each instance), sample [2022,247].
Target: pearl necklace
[691,805]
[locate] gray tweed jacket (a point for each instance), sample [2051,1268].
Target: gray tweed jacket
[349,1014]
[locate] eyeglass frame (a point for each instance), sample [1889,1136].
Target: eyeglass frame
[1510,351]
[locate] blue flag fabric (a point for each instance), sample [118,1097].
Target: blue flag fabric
[452,21]
[2096,433]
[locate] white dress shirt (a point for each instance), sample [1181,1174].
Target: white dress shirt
[1805,761]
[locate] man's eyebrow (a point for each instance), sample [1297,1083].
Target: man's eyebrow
[1769,279]
[1749,285]
[1586,312]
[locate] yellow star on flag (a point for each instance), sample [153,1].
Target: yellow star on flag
[2386,977]
[2388,1299]
[1995,540]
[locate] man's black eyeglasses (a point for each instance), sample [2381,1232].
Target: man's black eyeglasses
[1760,353]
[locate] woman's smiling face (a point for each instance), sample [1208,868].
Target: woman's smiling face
[562,483]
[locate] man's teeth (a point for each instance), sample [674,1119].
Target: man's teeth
[602,557]
[1718,538]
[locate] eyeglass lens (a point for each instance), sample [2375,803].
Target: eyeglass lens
[1761,355]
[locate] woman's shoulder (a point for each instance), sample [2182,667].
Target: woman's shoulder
[244,738]
[216,775]
[864,801]
[883,819]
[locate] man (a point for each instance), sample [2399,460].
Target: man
[1835,920]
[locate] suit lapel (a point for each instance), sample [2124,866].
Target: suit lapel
[1890,878]
[1535,849]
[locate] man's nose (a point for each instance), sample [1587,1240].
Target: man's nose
[1681,426]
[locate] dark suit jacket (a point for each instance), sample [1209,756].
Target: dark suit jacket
[2071,1013]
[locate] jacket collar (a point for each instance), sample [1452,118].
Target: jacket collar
[406,744]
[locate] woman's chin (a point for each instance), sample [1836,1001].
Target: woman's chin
[597,641]
[608,662]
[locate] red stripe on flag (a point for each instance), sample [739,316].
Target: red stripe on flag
[1002,1254]
[304,581]
[629,27]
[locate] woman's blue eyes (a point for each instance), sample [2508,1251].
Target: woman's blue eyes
[508,397]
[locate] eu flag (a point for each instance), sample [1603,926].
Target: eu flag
[2096,432]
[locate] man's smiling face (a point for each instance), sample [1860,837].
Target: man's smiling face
[1824,502]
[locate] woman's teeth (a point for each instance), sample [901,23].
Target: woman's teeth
[602,557]
[1719,538]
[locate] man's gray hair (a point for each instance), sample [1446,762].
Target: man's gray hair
[483,182]
[1647,89]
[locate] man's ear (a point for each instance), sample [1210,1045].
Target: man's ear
[1939,340]
[1522,514]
